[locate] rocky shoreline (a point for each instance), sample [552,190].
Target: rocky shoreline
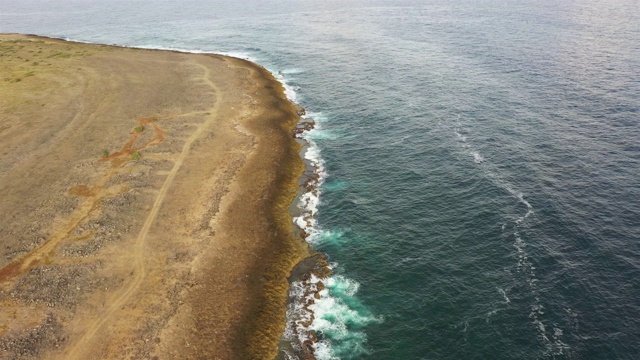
[146,207]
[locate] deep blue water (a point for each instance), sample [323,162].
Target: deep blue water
[482,198]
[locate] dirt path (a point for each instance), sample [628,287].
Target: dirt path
[78,350]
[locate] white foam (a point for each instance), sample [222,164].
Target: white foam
[309,201]
[477,158]
[159,47]
[236,54]
[328,315]
[322,351]
[520,196]
[524,264]
[504,295]
[318,117]
[289,90]
[291,71]
[301,317]
[298,314]
[537,309]
[557,332]
[490,314]
[333,318]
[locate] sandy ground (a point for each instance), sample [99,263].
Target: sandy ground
[144,203]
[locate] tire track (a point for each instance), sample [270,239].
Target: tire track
[77,349]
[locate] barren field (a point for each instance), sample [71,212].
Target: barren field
[144,203]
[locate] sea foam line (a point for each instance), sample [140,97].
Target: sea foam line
[553,344]
[319,322]
[235,54]
[300,331]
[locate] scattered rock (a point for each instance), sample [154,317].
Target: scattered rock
[29,343]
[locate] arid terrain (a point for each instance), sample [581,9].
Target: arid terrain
[144,203]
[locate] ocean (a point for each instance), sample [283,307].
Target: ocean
[480,160]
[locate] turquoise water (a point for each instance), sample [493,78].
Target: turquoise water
[481,197]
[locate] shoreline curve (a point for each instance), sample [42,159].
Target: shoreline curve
[225,135]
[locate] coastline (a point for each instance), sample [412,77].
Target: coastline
[214,252]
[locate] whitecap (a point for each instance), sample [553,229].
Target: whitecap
[339,316]
[504,295]
[291,71]
[477,157]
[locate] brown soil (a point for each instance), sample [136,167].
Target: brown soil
[144,208]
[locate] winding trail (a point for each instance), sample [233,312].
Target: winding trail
[76,350]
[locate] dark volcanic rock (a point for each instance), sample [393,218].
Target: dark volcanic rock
[28,343]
